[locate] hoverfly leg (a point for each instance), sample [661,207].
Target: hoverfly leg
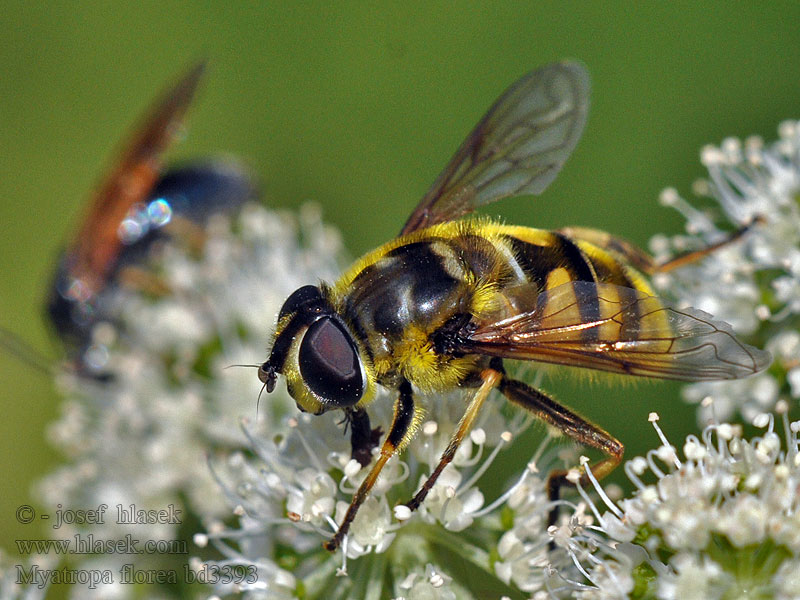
[695,255]
[570,424]
[490,379]
[399,435]
[642,260]
[363,438]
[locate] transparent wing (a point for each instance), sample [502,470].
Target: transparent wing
[620,330]
[518,147]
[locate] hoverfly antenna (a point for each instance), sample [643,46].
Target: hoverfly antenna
[266,373]
[251,366]
[258,400]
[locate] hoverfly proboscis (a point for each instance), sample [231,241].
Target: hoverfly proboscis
[443,304]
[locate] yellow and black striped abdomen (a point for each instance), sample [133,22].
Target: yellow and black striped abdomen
[552,259]
[397,297]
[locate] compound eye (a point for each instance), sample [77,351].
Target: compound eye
[329,364]
[300,297]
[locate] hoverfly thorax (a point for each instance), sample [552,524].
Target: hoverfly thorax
[316,351]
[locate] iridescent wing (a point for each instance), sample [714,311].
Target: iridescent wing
[135,206]
[194,193]
[518,147]
[620,330]
[97,243]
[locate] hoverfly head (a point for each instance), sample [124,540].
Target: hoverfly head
[316,351]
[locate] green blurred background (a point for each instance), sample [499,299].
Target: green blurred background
[358,106]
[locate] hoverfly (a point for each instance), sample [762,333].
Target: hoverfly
[443,304]
[135,206]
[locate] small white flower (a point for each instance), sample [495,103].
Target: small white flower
[709,512]
[311,454]
[25,578]
[693,578]
[312,496]
[753,284]
[786,582]
[432,585]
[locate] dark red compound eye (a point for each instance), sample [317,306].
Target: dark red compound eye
[329,364]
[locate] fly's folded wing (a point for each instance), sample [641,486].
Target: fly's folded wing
[619,330]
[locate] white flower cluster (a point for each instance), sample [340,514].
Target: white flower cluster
[753,284]
[723,522]
[174,426]
[142,439]
[291,494]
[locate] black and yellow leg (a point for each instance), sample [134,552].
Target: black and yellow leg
[396,439]
[640,259]
[490,379]
[570,424]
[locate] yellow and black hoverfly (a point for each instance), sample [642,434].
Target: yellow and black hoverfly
[443,304]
